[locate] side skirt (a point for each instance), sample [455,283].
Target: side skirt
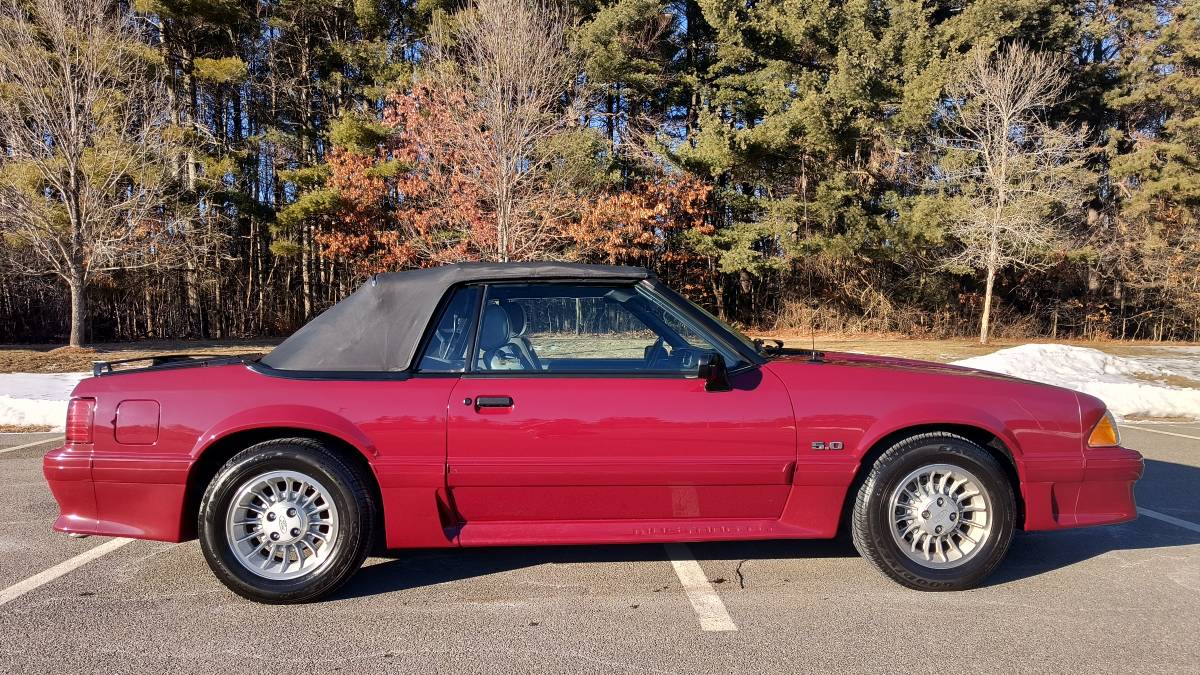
[540,533]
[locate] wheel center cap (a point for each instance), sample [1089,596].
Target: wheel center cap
[938,516]
[285,523]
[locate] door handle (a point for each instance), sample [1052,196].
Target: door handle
[493,402]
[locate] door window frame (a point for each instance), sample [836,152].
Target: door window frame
[436,320]
[719,342]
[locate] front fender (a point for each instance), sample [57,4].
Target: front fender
[1044,446]
[948,414]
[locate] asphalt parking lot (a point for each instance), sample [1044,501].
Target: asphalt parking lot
[1118,598]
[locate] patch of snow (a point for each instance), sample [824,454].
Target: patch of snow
[36,398]
[1127,384]
[1184,361]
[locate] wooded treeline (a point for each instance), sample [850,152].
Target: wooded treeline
[785,162]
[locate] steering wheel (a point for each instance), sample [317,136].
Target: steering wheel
[654,353]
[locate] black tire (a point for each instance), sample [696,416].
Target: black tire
[348,488]
[872,517]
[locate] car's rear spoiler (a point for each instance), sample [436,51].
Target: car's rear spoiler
[163,361]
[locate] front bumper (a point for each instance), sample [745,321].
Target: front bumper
[1103,496]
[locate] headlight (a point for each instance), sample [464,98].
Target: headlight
[1104,434]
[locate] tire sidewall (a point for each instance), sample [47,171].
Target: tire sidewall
[965,455]
[343,560]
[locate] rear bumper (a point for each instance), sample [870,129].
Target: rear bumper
[69,473]
[110,508]
[1104,496]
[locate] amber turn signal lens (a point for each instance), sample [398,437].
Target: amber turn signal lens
[1104,434]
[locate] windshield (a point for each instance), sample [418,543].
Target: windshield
[750,345]
[741,337]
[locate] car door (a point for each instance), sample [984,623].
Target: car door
[581,403]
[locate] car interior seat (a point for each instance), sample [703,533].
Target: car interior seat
[517,326]
[499,351]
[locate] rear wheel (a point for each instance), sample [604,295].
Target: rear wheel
[936,513]
[286,521]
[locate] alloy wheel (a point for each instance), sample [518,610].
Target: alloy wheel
[941,516]
[282,525]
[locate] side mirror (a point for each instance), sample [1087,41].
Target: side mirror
[715,374]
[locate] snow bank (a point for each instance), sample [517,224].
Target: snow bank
[1126,384]
[36,398]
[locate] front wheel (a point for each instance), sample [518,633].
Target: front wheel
[286,521]
[936,513]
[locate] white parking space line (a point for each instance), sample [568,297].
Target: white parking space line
[1178,522]
[30,445]
[42,578]
[708,606]
[1164,433]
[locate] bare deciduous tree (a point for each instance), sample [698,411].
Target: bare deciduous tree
[1014,176]
[505,67]
[86,166]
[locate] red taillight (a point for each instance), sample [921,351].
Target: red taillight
[80,413]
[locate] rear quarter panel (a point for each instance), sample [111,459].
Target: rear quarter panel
[397,425]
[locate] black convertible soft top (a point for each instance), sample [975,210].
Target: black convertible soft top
[378,327]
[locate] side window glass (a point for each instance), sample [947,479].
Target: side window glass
[581,328]
[451,340]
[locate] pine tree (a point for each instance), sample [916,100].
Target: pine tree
[1153,151]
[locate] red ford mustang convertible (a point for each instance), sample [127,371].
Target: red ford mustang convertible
[544,403]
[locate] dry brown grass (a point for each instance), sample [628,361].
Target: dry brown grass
[24,428]
[949,349]
[1169,380]
[880,317]
[892,345]
[57,359]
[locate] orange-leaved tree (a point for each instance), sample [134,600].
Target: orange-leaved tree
[412,201]
[440,202]
[360,234]
[424,196]
[651,223]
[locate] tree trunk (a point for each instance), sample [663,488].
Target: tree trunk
[78,308]
[987,305]
[306,289]
[191,284]
[149,312]
[745,302]
[718,291]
